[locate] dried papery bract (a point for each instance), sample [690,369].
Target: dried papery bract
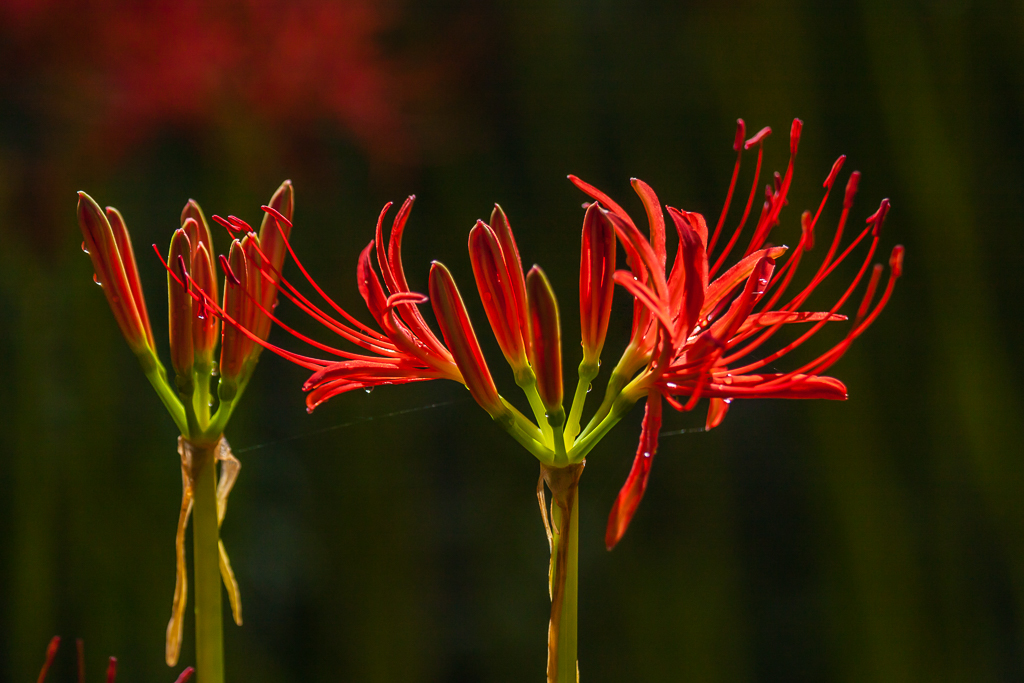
[700,317]
[195,312]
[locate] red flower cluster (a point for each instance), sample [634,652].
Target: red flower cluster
[137,68]
[697,332]
[695,327]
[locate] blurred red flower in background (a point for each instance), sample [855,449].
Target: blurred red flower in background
[141,66]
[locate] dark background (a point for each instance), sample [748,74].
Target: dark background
[881,539]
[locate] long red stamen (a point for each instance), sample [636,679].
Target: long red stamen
[738,147]
[750,201]
[305,361]
[341,311]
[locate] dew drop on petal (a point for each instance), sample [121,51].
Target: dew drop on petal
[728,379]
[84,249]
[727,401]
[589,387]
[647,454]
[96,279]
[368,390]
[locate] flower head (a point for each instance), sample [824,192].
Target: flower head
[700,336]
[194,326]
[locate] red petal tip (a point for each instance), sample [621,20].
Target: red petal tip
[185,675]
[111,669]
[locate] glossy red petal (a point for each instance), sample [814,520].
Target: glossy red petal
[546,342]
[717,408]
[597,285]
[632,491]
[497,293]
[461,339]
[179,304]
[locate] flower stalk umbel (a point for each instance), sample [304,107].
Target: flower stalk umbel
[250,289]
[694,335]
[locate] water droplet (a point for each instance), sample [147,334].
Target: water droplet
[598,362]
[589,387]
[728,379]
[726,401]
[671,385]
[368,390]
[84,249]
[215,370]
[96,279]
[647,454]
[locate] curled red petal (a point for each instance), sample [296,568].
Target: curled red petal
[632,491]
[717,409]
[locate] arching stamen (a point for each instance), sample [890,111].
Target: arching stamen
[750,201]
[338,309]
[738,148]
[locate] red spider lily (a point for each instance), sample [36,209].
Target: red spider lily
[695,335]
[51,654]
[194,328]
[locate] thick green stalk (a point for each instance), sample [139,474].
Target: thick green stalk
[206,568]
[564,485]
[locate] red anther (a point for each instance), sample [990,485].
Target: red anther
[228,273]
[834,172]
[276,214]
[758,138]
[896,260]
[240,224]
[794,135]
[778,181]
[807,228]
[878,218]
[226,224]
[111,669]
[182,270]
[741,132]
[185,675]
[851,189]
[399,298]
[51,652]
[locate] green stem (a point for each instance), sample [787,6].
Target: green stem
[564,485]
[206,568]
[587,373]
[157,377]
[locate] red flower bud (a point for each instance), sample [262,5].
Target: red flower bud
[597,284]
[274,235]
[235,345]
[461,339]
[179,304]
[198,231]
[545,338]
[109,246]
[204,322]
[497,293]
[510,252]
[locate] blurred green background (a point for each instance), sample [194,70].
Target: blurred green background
[881,539]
